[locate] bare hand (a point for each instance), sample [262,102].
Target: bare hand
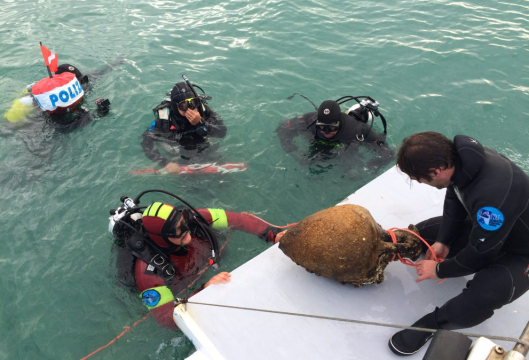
[171,168]
[223,277]
[440,250]
[279,236]
[193,116]
[426,270]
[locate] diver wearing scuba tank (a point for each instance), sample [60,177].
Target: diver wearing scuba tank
[183,121]
[332,128]
[164,250]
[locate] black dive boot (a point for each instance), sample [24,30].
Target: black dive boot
[408,342]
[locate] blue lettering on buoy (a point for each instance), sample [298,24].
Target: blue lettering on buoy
[63,95]
[53,99]
[72,95]
[79,87]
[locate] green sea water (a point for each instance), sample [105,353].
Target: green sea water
[451,67]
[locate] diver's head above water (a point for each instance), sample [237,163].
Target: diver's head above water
[83,79]
[328,122]
[166,225]
[184,103]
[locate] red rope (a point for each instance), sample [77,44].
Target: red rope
[127,328]
[257,217]
[406,261]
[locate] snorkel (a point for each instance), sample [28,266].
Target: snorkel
[202,98]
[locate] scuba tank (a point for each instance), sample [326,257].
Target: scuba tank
[364,110]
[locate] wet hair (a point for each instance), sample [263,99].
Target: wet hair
[422,152]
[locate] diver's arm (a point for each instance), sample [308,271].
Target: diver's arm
[483,245]
[222,219]
[379,161]
[215,124]
[383,153]
[109,66]
[85,119]
[82,118]
[222,277]
[288,130]
[150,150]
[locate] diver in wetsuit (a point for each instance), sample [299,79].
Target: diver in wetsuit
[66,118]
[483,231]
[335,132]
[182,128]
[164,250]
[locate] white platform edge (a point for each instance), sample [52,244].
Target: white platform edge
[205,348]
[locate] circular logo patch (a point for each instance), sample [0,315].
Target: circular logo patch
[490,218]
[326,111]
[71,68]
[151,298]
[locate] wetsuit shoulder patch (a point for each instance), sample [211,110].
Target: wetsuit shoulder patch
[490,218]
[151,298]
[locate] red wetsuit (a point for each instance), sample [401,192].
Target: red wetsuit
[192,265]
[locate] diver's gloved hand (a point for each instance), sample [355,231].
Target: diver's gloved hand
[269,234]
[103,105]
[202,130]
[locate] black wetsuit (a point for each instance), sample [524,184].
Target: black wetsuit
[485,225]
[351,134]
[179,139]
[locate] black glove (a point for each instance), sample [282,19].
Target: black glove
[103,105]
[269,234]
[202,130]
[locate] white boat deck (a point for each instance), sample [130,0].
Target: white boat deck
[272,281]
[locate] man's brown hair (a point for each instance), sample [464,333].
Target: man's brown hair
[420,153]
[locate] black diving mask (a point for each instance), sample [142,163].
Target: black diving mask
[327,128]
[191,103]
[179,232]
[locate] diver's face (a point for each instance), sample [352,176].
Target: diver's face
[184,238]
[328,131]
[440,178]
[330,135]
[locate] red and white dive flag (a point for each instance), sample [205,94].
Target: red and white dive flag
[50,59]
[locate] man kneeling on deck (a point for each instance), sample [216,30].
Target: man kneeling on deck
[483,231]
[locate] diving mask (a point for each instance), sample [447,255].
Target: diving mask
[327,128]
[178,232]
[191,103]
